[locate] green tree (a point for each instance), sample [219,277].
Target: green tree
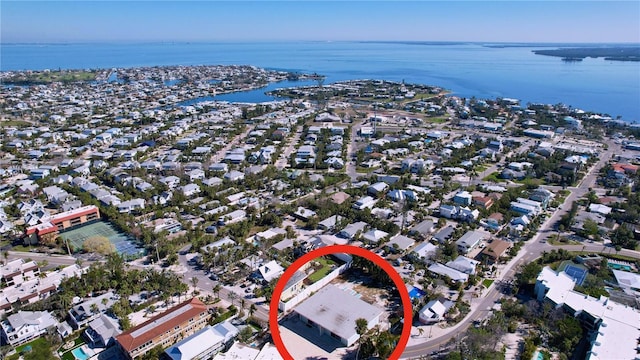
[361,330]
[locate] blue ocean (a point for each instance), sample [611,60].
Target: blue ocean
[466,69]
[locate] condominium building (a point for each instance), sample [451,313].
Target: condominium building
[164,329]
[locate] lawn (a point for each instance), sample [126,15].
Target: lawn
[39,348]
[493,177]
[76,343]
[487,282]
[437,120]
[323,271]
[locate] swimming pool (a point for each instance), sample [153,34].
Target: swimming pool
[416,293]
[80,354]
[619,267]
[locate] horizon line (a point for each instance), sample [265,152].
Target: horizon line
[417,42]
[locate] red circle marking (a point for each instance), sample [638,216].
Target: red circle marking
[354,250]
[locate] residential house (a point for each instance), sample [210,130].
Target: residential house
[463,264]
[24,326]
[304,214]
[463,198]
[350,231]
[444,234]
[234,175]
[423,229]
[374,236]
[423,252]
[453,274]
[131,205]
[232,217]
[101,331]
[328,223]
[400,243]
[377,188]
[190,190]
[470,240]
[269,271]
[495,250]
[434,311]
[364,202]
[83,313]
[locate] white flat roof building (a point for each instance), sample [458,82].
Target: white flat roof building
[334,312]
[204,343]
[616,326]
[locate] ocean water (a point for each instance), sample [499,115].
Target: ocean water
[467,69]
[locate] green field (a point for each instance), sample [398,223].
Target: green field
[487,282]
[46,77]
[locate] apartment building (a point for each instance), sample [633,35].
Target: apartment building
[164,329]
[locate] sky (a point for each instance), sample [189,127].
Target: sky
[485,21]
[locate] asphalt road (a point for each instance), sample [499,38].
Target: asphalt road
[206,284]
[52,260]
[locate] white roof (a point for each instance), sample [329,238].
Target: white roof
[599,208]
[201,341]
[336,310]
[238,352]
[627,279]
[269,352]
[270,270]
[454,274]
[617,335]
[374,235]
[424,249]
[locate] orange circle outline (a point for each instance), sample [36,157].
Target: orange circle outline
[332,249]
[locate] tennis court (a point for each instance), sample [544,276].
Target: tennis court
[124,244]
[578,274]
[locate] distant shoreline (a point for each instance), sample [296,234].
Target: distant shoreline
[618,53]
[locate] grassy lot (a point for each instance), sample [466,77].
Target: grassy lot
[437,120]
[368,170]
[487,282]
[323,271]
[16,123]
[535,182]
[42,77]
[493,177]
[39,346]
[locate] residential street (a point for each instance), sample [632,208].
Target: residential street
[529,252]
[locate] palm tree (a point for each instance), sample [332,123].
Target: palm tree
[216,290]
[252,309]
[361,329]
[232,297]
[420,331]
[194,282]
